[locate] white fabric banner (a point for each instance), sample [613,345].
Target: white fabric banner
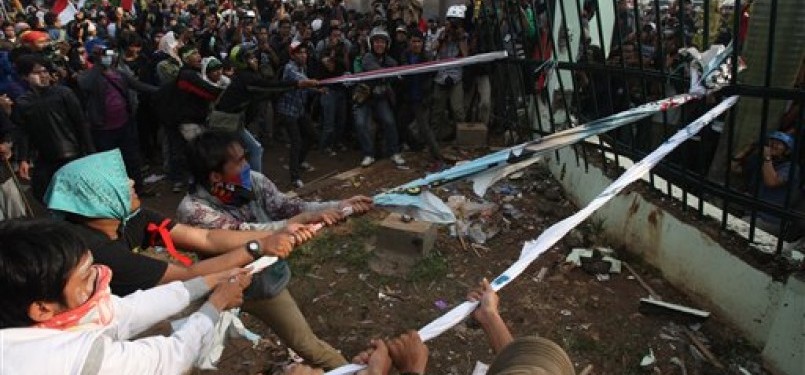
[427,67]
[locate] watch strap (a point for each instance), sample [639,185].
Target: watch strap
[254,251]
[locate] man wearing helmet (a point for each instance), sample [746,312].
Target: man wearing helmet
[451,43]
[376,101]
[775,177]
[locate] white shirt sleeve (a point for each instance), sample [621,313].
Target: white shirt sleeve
[144,308]
[175,354]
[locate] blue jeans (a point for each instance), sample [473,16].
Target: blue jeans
[381,109]
[253,148]
[333,117]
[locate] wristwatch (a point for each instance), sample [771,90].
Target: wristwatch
[254,249]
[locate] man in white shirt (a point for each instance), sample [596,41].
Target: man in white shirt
[57,313]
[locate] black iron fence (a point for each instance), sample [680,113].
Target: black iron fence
[613,55]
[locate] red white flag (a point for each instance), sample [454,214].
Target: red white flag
[127,5]
[67,9]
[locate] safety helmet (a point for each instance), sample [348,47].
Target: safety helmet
[379,32]
[240,54]
[456,11]
[786,138]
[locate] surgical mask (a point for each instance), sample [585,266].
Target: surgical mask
[106,61]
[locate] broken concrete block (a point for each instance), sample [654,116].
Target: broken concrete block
[414,238]
[471,134]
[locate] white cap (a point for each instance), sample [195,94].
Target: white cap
[316,24]
[456,11]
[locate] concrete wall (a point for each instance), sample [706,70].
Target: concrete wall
[691,261]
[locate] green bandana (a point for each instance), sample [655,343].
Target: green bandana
[95,186]
[186,53]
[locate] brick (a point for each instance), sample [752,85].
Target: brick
[471,134]
[415,238]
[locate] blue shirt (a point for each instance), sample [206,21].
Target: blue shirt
[292,103]
[774,195]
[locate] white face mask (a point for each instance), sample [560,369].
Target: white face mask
[106,61]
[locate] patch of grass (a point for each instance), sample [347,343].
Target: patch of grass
[363,227]
[432,267]
[596,226]
[348,248]
[354,253]
[581,343]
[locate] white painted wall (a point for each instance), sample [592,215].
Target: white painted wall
[721,282]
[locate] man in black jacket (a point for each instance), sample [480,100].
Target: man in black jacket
[184,107]
[249,86]
[51,122]
[109,105]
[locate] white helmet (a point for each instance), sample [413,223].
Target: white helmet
[380,32]
[456,11]
[316,24]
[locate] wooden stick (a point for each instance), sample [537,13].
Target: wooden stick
[706,352]
[642,282]
[24,198]
[461,235]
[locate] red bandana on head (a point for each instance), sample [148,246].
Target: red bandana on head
[97,312]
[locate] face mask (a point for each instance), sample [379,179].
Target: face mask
[106,61]
[97,311]
[235,190]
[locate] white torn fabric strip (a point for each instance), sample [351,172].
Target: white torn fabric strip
[533,249]
[424,206]
[426,67]
[482,181]
[229,324]
[480,368]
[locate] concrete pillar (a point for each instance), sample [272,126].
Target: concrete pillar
[784,352]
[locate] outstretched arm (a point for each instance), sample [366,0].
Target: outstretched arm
[488,315]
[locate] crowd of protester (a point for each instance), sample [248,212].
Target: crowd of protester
[149,80]
[88,107]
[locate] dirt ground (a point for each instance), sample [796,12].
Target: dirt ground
[596,321]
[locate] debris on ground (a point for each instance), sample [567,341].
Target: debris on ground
[679,363]
[652,306]
[649,359]
[473,220]
[441,304]
[541,275]
[599,262]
